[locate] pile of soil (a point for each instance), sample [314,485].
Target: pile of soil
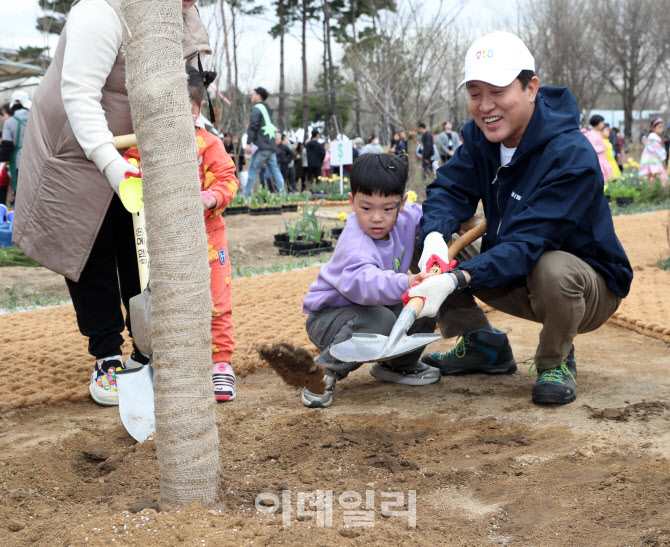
[487,466]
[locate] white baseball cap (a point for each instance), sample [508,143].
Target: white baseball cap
[497,59]
[21,97]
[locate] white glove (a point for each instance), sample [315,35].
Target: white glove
[435,290]
[434,244]
[116,172]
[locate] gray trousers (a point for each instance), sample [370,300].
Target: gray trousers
[563,293]
[330,326]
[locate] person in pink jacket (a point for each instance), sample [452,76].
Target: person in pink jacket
[595,136]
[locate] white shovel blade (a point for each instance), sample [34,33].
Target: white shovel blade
[136,401]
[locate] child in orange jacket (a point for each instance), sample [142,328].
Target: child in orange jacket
[219,186]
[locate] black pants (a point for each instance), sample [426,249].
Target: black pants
[289,177]
[109,277]
[3,194]
[330,326]
[313,174]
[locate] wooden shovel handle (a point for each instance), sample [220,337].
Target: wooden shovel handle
[468,237]
[456,247]
[125,141]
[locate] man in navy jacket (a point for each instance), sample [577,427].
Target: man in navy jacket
[550,253]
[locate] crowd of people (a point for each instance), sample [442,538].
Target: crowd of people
[611,148]
[303,164]
[541,263]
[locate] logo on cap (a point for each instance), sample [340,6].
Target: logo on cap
[484,53]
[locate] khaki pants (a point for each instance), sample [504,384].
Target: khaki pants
[563,293]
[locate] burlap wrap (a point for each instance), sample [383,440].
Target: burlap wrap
[186,433]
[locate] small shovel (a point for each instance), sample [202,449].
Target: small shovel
[365,347]
[135,385]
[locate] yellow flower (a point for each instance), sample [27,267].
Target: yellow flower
[342,217]
[411,196]
[630,160]
[625,166]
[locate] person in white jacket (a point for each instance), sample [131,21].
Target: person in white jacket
[71,172]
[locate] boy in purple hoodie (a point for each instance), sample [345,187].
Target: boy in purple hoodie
[360,289]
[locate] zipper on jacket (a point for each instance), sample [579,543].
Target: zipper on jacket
[498,198]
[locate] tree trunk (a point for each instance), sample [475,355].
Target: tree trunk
[186,435]
[305,112]
[357,93]
[234,29]
[331,77]
[280,114]
[326,86]
[226,49]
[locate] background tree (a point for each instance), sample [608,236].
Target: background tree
[402,62]
[633,45]
[564,51]
[55,15]
[318,111]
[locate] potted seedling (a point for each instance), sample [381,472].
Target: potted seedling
[623,194]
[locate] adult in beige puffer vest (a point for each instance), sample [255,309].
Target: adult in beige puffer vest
[69,217]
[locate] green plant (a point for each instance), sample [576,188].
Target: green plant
[654,192]
[337,197]
[619,189]
[239,201]
[17,298]
[293,229]
[12,256]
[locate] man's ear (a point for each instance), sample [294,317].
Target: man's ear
[532,88]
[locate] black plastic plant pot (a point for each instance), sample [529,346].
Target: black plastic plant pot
[336,232]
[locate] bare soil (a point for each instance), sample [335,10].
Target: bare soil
[487,466]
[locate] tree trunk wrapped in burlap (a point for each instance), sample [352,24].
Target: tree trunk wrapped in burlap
[186,435]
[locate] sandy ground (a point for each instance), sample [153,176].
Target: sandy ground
[486,466]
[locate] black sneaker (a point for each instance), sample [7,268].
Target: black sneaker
[558,385]
[137,359]
[478,351]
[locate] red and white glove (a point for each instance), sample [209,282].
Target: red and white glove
[434,292]
[116,172]
[434,244]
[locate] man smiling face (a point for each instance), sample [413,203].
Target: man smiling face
[502,113]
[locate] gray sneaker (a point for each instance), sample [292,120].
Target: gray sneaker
[319,400]
[420,375]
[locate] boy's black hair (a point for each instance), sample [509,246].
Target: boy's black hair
[383,174]
[198,83]
[6,108]
[525,76]
[422,125]
[596,119]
